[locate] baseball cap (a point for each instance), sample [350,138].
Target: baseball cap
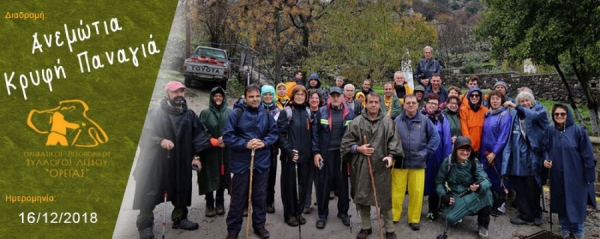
[174,85]
[335,89]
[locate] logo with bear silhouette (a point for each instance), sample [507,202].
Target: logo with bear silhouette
[67,125]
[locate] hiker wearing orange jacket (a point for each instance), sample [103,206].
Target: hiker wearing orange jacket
[472,116]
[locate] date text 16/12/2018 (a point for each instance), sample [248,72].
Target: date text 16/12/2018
[58,217]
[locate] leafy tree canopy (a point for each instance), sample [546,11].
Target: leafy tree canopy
[561,33]
[369,39]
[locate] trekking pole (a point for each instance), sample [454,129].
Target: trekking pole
[549,193]
[222,179]
[445,234]
[543,200]
[298,200]
[349,195]
[505,190]
[222,166]
[250,194]
[374,191]
[164,222]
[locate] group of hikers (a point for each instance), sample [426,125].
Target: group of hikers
[465,152]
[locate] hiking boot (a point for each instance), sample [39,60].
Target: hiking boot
[246,212]
[537,221]
[146,233]
[292,222]
[321,223]
[482,233]
[302,221]
[364,233]
[185,224]
[306,210]
[496,213]
[220,209]
[232,236]
[565,235]
[345,219]
[270,208]
[432,216]
[210,211]
[262,233]
[518,221]
[414,226]
[390,235]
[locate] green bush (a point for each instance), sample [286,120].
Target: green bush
[472,66]
[455,5]
[472,9]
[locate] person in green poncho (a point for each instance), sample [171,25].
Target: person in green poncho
[464,187]
[215,174]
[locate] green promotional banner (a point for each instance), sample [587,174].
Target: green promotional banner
[77,79]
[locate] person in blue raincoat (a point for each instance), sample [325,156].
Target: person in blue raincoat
[442,126]
[496,129]
[249,128]
[523,157]
[571,165]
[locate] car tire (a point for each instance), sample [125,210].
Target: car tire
[223,85]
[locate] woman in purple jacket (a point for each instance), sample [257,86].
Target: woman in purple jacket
[496,129]
[442,126]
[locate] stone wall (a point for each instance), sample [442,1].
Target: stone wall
[548,86]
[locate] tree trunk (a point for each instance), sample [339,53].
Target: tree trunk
[592,103]
[594,116]
[305,40]
[277,55]
[570,94]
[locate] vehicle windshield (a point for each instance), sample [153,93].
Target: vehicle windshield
[210,53]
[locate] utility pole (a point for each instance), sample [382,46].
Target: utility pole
[187,30]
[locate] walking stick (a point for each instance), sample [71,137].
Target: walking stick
[549,193]
[164,223]
[250,194]
[298,200]
[349,195]
[374,190]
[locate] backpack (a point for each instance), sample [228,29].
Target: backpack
[502,114]
[473,167]
[238,114]
[288,112]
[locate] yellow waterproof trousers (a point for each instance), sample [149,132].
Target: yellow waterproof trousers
[415,179]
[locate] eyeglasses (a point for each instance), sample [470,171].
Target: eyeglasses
[432,103]
[560,114]
[475,96]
